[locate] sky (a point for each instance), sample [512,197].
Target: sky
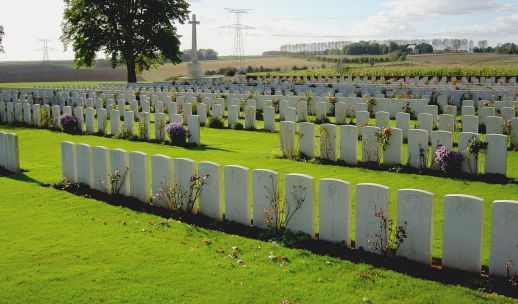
[279,22]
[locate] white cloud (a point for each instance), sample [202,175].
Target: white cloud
[502,26]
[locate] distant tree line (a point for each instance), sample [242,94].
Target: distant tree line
[506,48]
[379,47]
[203,54]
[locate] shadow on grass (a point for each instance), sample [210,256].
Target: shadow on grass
[405,169]
[19,177]
[481,282]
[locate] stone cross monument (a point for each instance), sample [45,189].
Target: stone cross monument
[194,70]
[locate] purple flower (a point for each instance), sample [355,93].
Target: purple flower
[448,160]
[177,133]
[68,123]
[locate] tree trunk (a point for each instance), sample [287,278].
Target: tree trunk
[132,74]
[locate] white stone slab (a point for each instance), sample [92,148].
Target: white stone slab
[425,122]
[462,232]
[370,146]
[335,211]
[100,165]
[119,161]
[403,123]
[237,195]
[68,161]
[84,164]
[370,198]
[129,122]
[139,176]
[114,121]
[447,122]
[415,213]
[233,115]
[393,155]
[269,118]
[469,160]
[299,191]
[287,138]
[161,177]
[496,155]
[417,148]
[250,118]
[266,198]
[328,142]
[494,125]
[349,144]
[160,127]
[210,202]
[504,237]
[382,119]
[307,140]
[470,123]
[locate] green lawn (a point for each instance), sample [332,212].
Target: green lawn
[57,247]
[13,85]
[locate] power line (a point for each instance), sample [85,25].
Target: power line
[45,49]
[238,35]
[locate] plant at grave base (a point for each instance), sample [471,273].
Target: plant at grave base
[383,139]
[390,237]
[327,146]
[238,126]
[216,123]
[448,160]
[275,104]
[161,130]
[143,130]
[177,133]
[332,101]
[507,128]
[124,132]
[66,185]
[278,219]
[320,121]
[286,151]
[68,124]
[423,152]
[45,118]
[371,103]
[114,182]
[308,97]
[474,147]
[224,96]
[180,201]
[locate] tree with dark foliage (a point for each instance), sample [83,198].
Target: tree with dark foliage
[138,33]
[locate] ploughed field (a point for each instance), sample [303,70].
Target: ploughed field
[57,247]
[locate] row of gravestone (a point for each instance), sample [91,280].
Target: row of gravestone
[9,154]
[462,239]
[495,161]
[96,121]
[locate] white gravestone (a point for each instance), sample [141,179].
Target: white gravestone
[217,111]
[417,148]
[514,132]
[250,113]
[139,176]
[425,123]
[287,139]
[447,122]
[393,155]
[370,199]
[114,122]
[415,213]
[269,118]
[68,161]
[27,117]
[470,123]
[210,203]
[78,113]
[160,127]
[144,125]
[349,144]
[321,110]
[291,114]
[184,170]
[194,130]
[266,198]
[462,233]
[504,237]
[84,164]
[335,211]
[299,191]
[441,139]
[370,146]
[129,122]
[100,165]
[237,192]
[403,123]
[161,177]
[307,139]
[382,119]
[468,110]
[494,125]
[485,112]
[119,161]
[302,111]
[496,155]
[328,142]
[36,114]
[90,120]
[508,113]
[12,154]
[340,113]
[101,121]
[202,113]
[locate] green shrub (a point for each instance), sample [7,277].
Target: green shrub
[238,126]
[216,123]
